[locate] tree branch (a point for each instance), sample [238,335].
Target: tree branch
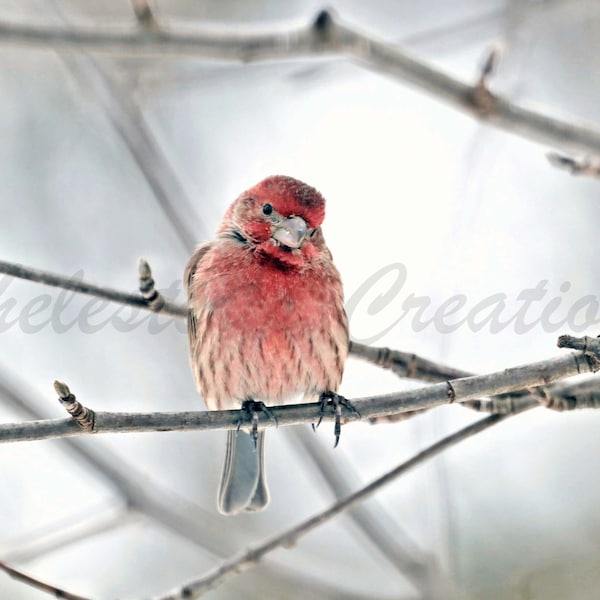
[65,532]
[575,166]
[406,364]
[448,392]
[40,585]
[376,523]
[83,287]
[288,538]
[560,398]
[325,37]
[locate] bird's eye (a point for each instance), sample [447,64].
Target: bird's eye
[267,209]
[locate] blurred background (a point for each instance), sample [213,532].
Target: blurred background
[105,158]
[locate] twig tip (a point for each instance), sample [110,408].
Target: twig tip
[144,269]
[492,59]
[323,21]
[62,389]
[144,14]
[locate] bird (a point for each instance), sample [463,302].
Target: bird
[266,322]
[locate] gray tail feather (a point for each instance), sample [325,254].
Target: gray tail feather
[243,483]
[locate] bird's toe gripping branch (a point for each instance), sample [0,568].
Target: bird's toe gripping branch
[336,402]
[249,412]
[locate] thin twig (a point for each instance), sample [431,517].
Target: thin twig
[575,166]
[372,519]
[572,396]
[83,287]
[40,585]
[128,121]
[290,537]
[155,300]
[482,97]
[406,364]
[448,392]
[130,125]
[325,37]
[92,521]
[84,417]
[560,397]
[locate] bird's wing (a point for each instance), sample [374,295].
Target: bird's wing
[188,275]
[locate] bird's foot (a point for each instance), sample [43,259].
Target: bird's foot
[249,412]
[336,402]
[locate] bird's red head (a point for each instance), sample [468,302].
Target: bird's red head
[280,217]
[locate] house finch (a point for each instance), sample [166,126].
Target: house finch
[266,322]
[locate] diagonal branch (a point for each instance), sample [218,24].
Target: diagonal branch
[40,585]
[92,521]
[129,123]
[448,392]
[405,364]
[90,289]
[325,37]
[373,520]
[288,538]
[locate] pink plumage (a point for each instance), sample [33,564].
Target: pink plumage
[267,320]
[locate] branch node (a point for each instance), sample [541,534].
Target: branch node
[383,357]
[154,300]
[450,393]
[411,367]
[84,417]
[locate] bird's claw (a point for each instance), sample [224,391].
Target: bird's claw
[336,401]
[249,411]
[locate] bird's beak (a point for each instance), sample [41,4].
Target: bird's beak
[291,232]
